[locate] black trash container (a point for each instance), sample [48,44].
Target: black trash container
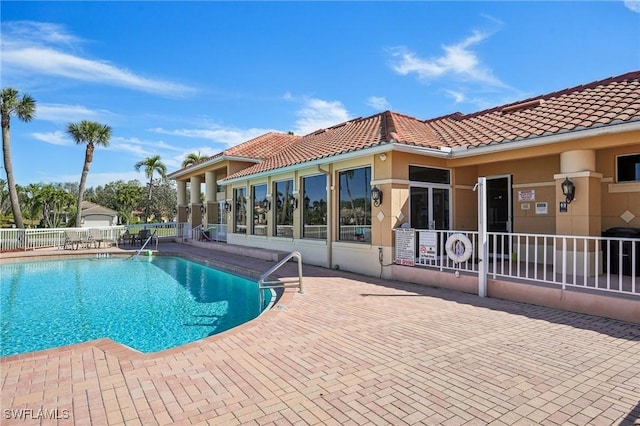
[626,252]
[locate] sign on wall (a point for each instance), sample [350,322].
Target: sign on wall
[527,195]
[405,246]
[428,241]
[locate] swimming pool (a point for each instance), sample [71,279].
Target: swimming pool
[148,304]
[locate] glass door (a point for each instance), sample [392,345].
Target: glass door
[429,207]
[499,214]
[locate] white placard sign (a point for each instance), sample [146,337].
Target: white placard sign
[428,243]
[405,246]
[527,195]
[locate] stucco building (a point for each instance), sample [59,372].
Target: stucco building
[313,193]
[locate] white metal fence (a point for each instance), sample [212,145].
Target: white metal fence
[609,264]
[217,232]
[31,239]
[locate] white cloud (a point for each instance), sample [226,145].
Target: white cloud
[54,138]
[633,5]
[378,103]
[319,114]
[39,49]
[67,113]
[226,136]
[458,97]
[458,60]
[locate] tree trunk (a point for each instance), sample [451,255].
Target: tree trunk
[8,166]
[83,181]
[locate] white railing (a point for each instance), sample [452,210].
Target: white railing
[217,232]
[609,264]
[30,239]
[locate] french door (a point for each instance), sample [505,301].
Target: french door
[429,206]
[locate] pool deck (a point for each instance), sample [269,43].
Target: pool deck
[350,350]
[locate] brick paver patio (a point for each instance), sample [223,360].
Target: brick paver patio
[349,350]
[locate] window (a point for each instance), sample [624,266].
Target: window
[355,205]
[260,209]
[628,168]
[284,204]
[240,218]
[314,210]
[429,174]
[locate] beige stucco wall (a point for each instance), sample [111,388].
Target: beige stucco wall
[617,198]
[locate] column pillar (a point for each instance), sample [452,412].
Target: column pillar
[583,213]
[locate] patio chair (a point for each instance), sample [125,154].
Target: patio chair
[95,236]
[127,238]
[73,239]
[143,235]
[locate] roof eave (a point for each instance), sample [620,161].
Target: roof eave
[377,149]
[211,162]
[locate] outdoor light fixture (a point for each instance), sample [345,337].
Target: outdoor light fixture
[187,209]
[203,209]
[568,189]
[294,203]
[376,196]
[266,204]
[227,206]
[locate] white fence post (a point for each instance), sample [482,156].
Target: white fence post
[483,248]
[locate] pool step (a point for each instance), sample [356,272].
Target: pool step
[258,253]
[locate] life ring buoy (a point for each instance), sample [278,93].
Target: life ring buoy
[459,248]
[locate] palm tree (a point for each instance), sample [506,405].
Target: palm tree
[92,134]
[151,165]
[193,158]
[24,108]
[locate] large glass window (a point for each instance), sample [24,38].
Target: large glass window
[314,212]
[260,209]
[628,168]
[284,204]
[240,218]
[355,205]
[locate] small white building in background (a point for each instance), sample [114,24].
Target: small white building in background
[96,216]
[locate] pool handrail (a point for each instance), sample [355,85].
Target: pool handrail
[283,282]
[145,244]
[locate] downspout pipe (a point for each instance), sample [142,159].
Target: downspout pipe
[327,173]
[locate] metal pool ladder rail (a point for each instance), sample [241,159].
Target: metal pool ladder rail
[145,244]
[283,282]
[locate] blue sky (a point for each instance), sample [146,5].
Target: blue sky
[172,78]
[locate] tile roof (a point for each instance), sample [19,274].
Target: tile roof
[601,103]
[258,148]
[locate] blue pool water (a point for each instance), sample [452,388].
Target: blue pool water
[148,304]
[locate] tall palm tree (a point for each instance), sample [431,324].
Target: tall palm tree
[193,158]
[151,165]
[92,134]
[24,108]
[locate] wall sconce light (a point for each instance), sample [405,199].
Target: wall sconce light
[294,203]
[187,209]
[383,157]
[266,204]
[203,209]
[376,196]
[227,206]
[568,189]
